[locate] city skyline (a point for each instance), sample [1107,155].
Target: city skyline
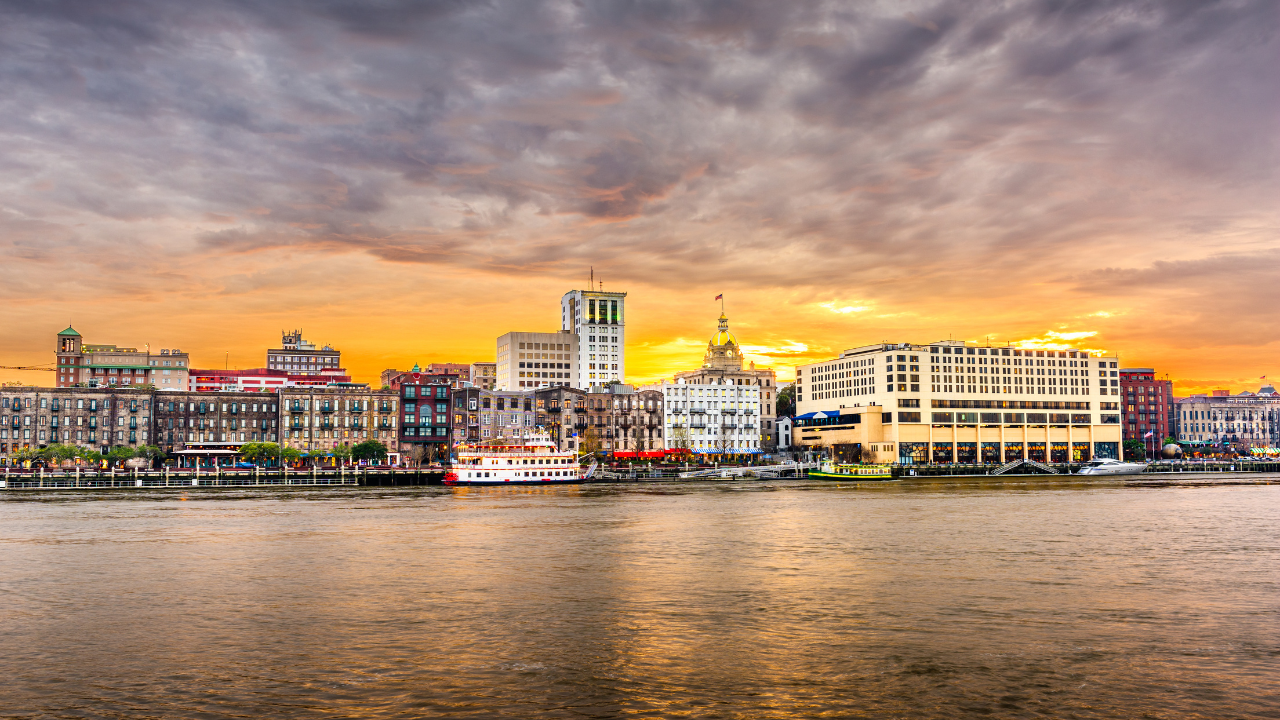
[407,184]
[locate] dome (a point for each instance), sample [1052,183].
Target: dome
[723,336]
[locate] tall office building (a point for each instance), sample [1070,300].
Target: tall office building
[598,318]
[532,360]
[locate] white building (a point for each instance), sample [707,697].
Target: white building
[1244,420]
[598,318]
[531,360]
[952,401]
[713,418]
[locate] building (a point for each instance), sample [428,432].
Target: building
[1218,422]
[722,364]
[952,401]
[530,360]
[784,433]
[99,418]
[88,365]
[717,417]
[426,417]
[200,427]
[507,414]
[618,418]
[322,418]
[484,375]
[1148,405]
[562,414]
[263,380]
[300,357]
[599,321]
[393,379]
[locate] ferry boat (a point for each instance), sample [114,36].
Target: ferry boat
[852,472]
[1108,466]
[535,461]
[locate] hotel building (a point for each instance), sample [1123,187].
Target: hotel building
[530,360]
[722,364]
[952,401]
[599,320]
[88,365]
[1244,420]
[716,417]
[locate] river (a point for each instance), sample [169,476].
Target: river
[743,599]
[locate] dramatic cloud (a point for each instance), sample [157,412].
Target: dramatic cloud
[413,179]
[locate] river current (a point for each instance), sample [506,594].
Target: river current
[742,599]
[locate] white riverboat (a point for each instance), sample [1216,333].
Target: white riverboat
[1108,466]
[533,461]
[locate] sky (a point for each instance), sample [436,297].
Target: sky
[408,181]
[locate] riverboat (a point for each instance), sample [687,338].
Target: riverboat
[535,461]
[1108,466]
[852,472]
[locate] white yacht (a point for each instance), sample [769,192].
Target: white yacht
[1108,466]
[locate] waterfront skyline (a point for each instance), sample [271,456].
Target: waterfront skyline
[409,184]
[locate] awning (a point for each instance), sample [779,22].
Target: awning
[807,416]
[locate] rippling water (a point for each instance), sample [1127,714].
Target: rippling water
[750,600]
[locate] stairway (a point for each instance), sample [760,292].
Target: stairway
[1024,464]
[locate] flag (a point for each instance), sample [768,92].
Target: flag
[720,297]
[1149,434]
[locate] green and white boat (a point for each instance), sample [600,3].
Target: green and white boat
[852,472]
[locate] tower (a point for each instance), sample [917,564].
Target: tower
[70,357]
[599,319]
[723,352]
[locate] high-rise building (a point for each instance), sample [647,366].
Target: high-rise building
[301,357]
[531,360]
[87,365]
[598,318]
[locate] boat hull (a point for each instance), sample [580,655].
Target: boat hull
[877,477]
[1117,469]
[509,483]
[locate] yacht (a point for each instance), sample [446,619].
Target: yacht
[1108,466]
[534,461]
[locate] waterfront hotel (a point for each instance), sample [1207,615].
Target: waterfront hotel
[953,401]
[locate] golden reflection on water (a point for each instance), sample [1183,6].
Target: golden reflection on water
[927,598]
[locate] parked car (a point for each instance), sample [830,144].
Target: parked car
[244,466]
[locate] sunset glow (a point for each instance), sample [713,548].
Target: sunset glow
[409,184]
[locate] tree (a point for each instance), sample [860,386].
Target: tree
[416,453]
[589,441]
[315,456]
[151,452]
[118,454]
[343,453]
[57,453]
[680,438]
[369,450]
[787,401]
[290,454]
[868,455]
[251,451]
[1135,450]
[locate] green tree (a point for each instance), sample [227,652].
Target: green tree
[251,451]
[119,454]
[787,401]
[315,456]
[89,455]
[369,450]
[343,453]
[290,454]
[1135,451]
[151,452]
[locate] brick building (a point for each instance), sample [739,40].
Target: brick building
[94,365]
[1148,404]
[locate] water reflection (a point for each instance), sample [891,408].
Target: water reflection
[782,599]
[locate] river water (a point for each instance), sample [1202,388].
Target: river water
[783,599]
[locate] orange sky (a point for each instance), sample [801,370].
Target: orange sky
[411,181]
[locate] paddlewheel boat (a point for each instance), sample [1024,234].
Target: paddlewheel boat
[534,461]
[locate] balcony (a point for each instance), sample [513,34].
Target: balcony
[697,424]
[580,425]
[327,408]
[579,409]
[294,408]
[730,411]
[356,408]
[698,411]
